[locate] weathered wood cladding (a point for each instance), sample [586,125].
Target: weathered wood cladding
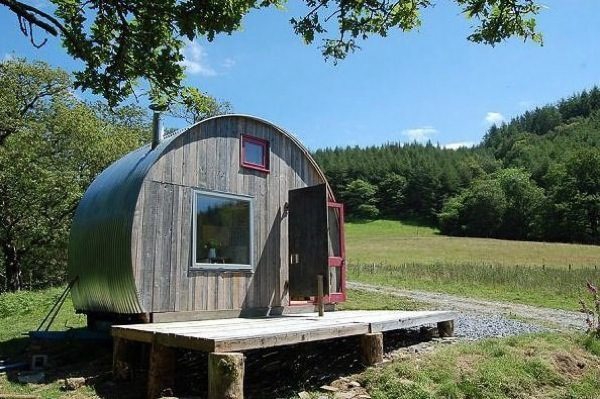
[207,157]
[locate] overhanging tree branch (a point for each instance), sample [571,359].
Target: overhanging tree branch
[32,15]
[38,18]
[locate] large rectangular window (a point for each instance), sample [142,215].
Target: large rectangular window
[222,231]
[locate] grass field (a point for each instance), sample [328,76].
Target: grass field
[415,257]
[532,366]
[394,242]
[363,300]
[546,365]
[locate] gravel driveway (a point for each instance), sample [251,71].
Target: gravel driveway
[480,318]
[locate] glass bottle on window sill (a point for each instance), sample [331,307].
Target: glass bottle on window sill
[212,254]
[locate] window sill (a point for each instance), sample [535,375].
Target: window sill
[219,267]
[260,168]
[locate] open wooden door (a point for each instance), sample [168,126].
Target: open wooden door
[308,241]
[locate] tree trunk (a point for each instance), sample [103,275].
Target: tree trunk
[594,216]
[12,263]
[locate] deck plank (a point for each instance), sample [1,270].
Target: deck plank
[238,334]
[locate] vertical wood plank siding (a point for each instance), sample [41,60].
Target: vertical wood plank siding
[207,157]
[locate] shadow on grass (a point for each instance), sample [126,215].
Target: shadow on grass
[88,359]
[11,349]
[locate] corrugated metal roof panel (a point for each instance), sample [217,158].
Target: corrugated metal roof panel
[100,241]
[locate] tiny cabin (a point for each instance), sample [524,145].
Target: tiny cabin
[230,216]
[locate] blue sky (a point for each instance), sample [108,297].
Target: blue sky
[428,84]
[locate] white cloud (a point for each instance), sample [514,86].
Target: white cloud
[459,144]
[195,60]
[494,118]
[228,63]
[420,134]
[8,56]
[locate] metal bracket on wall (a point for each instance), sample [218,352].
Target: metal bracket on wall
[286,210]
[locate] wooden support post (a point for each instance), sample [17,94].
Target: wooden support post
[445,328]
[225,375]
[320,304]
[123,358]
[161,371]
[371,348]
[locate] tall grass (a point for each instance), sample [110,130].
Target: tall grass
[543,286]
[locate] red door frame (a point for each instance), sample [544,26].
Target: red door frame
[338,261]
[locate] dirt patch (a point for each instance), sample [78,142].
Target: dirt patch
[530,351]
[573,364]
[467,363]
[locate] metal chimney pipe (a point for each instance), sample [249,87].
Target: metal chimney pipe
[157,127]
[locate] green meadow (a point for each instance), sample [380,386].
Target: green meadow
[396,242]
[411,256]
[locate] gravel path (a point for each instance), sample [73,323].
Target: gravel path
[481,318]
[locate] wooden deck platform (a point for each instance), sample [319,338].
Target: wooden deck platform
[239,334]
[224,339]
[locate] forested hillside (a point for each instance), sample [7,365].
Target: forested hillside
[536,177]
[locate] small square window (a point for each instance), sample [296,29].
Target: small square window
[255,153]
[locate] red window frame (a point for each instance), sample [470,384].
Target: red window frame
[264,166]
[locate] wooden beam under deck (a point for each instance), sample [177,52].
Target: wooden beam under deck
[239,334]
